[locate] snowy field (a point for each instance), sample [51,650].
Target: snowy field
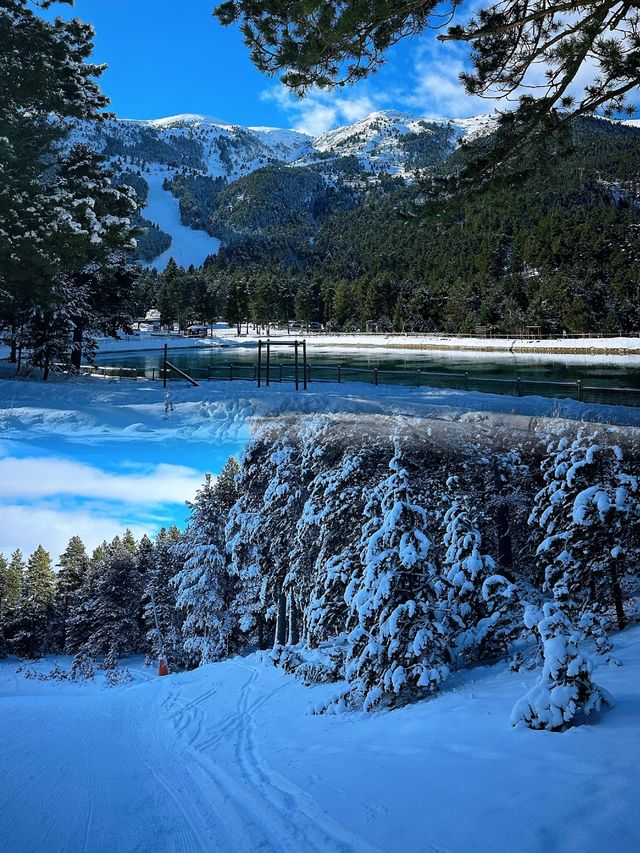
[83,407]
[228,758]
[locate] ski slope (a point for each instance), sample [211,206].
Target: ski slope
[188,246]
[227,758]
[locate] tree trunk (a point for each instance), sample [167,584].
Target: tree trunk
[281,622]
[505,550]
[294,630]
[260,631]
[617,595]
[76,348]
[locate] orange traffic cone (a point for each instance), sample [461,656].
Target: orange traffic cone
[163,667]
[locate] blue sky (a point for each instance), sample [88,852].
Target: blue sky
[166,58]
[54,488]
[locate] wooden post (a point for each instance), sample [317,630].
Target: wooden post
[164,374]
[268,362]
[304,362]
[296,365]
[259,363]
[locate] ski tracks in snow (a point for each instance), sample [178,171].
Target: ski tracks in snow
[260,809]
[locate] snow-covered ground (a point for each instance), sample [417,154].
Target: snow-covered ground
[143,341]
[187,245]
[597,346]
[228,758]
[85,406]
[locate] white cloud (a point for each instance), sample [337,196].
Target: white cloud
[26,527]
[435,88]
[320,111]
[47,500]
[37,478]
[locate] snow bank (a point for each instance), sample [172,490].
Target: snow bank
[147,341]
[227,758]
[554,346]
[82,407]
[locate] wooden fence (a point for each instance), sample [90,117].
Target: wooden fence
[585,390]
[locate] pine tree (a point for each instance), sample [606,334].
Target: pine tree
[481,602]
[11,584]
[111,601]
[34,637]
[588,511]
[204,586]
[162,563]
[398,649]
[565,687]
[46,78]
[333,508]
[73,568]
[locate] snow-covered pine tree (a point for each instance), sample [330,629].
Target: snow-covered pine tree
[96,276]
[399,649]
[565,688]
[45,78]
[588,511]
[281,504]
[259,534]
[484,614]
[163,563]
[205,588]
[315,453]
[81,617]
[33,636]
[109,606]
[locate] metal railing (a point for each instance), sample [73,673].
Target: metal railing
[585,390]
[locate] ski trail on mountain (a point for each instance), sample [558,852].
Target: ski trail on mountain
[188,246]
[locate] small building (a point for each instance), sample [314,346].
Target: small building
[197,330]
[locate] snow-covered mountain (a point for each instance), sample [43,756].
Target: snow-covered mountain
[218,149]
[384,142]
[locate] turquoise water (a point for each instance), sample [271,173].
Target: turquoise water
[513,375]
[611,371]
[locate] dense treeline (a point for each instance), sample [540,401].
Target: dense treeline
[381,561]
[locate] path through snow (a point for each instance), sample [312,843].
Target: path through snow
[226,758]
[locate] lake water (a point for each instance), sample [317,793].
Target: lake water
[240,362]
